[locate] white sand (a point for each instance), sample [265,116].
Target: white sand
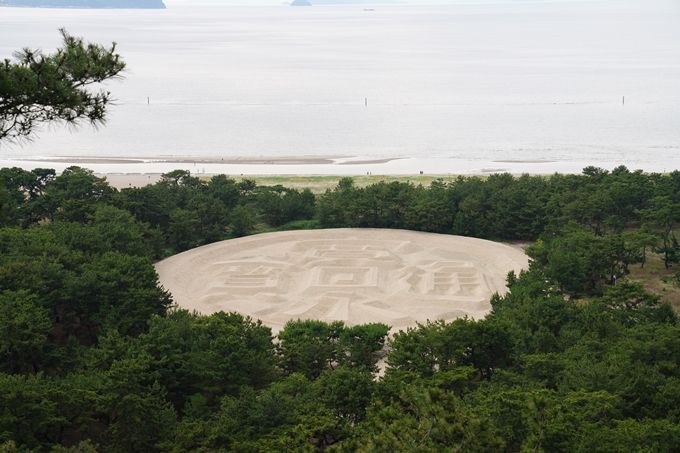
[121,181]
[311,165]
[358,276]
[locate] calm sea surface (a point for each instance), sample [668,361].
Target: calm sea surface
[483,82]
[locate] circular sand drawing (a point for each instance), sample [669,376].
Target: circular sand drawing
[357,276]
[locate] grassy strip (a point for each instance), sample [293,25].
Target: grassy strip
[319,184]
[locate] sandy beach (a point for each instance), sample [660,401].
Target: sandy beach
[358,276]
[183,161]
[122,171]
[125,171]
[121,181]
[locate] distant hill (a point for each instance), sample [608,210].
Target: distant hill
[146,4]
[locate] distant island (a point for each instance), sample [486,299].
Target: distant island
[300,3]
[145,4]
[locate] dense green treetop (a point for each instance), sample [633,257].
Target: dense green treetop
[575,357]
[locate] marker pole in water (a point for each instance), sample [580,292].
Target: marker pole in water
[148,101]
[366,102]
[624,101]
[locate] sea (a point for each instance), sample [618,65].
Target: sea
[476,87]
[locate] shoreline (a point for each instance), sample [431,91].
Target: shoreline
[239,160]
[247,160]
[324,165]
[128,171]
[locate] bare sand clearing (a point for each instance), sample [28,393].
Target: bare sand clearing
[121,181]
[357,276]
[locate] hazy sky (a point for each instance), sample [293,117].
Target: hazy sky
[170,3]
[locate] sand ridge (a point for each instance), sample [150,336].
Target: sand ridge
[396,277]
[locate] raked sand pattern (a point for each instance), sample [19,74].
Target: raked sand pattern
[357,276]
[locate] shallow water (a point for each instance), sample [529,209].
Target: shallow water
[450,86]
